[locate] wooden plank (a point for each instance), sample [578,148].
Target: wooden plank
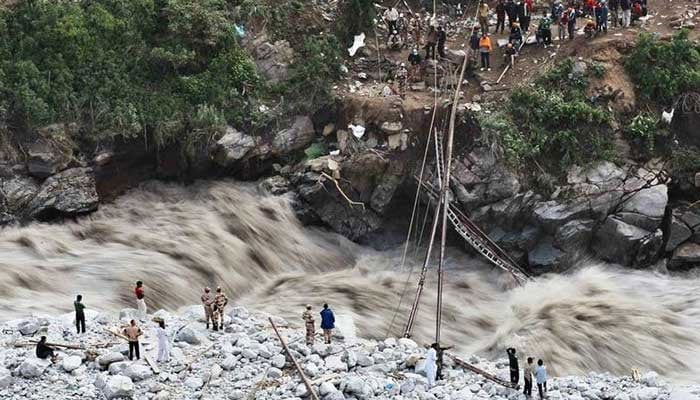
[152,364]
[64,345]
[481,372]
[117,334]
[310,388]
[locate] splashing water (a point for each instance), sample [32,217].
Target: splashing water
[180,239]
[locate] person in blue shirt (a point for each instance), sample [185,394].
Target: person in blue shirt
[327,323]
[541,377]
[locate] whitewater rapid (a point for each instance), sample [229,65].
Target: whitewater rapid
[179,239]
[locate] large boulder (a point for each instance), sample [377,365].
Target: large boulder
[29,326]
[686,256]
[188,335]
[118,386]
[544,257]
[678,232]
[575,235]
[33,367]
[685,122]
[46,157]
[108,358]
[5,377]
[297,137]
[234,146]
[71,362]
[552,214]
[138,372]
[70,192]
[620,242]
[16,192]
[646,207]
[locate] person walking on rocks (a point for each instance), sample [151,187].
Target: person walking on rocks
[220,302]
[484,16]
[431,364]
[140,300]
[327,323]
[79,314]
[309,324]
[541,377]
[132,333]
[513,364]
[163,342]
[208,302]
[528,371]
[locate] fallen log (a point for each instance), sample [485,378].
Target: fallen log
[481,372]
[296,364]
[64,345]
[152,364]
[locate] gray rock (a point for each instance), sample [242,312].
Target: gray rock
[278,361]
[620,242]
[6,378]
[502,185]
[544,257]
[70,192]
[117,368]
[118,386]
[272,60]
[71,362]
[274,373]
[45,158]
[686,256]
[649,205]
[678,233]
[106,359]
[33,367]
[335,364]
[384,192]
[138,372]
[605,175]
[194,382]
[275,185]
[28,326]
[552,214]
[17,192]
[188,335]
[234,146]
[299,136]
[575,235]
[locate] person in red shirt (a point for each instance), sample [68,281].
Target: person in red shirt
[140,300]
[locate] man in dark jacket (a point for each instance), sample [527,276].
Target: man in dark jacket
[500,15]
[523,16]
[441,39]
[415,60]
[513,363]
[327,323]
[79,314]
[43,351]
[512,12]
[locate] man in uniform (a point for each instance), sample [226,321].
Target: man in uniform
[402,78]
[220,302]
[207,302]
[309,324]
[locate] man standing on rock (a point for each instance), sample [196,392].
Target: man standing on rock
[309,324]
[528,371]
[431,364]
[140,300]
[514,369]
[79,314]
[327,323]
[220,302]
[541,376]
[132,333]
[207,302]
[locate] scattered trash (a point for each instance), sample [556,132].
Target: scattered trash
[667,117]
[335,152]
[358,42]
[239,30]
[357,130]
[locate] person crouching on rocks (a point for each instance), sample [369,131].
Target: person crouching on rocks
[45,351]
[309,324]
[327,323]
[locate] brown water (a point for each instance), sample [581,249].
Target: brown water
[178,240]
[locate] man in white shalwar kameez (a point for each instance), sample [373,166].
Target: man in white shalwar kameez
[163,342]
[431,365]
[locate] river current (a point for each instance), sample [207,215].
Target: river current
[179,239]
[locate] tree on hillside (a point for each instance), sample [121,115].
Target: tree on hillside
[355,17]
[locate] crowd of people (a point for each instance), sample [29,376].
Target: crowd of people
[427,31]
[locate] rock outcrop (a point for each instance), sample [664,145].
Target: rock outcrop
[70,192]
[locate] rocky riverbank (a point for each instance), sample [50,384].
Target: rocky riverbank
[246,361]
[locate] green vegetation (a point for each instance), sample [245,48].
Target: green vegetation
[166,70]
[662,70]
[355,16]
[644,128]
[552,123]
